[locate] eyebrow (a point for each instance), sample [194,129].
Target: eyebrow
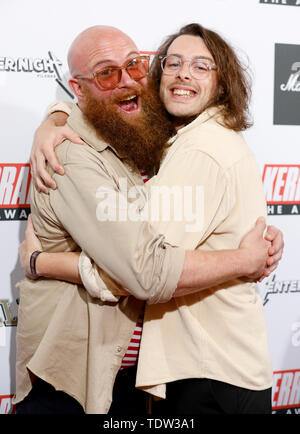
[194,57]
[111,62]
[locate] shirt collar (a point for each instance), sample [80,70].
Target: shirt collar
[206,115]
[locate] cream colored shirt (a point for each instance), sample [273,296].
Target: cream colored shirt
[64,336]
[219,333]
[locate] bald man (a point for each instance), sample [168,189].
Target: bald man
[70,346]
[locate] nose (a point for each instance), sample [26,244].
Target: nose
[126,80]
[184,71]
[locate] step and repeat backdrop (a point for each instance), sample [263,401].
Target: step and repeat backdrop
[34,39]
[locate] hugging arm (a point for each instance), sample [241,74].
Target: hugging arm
[200,269]
[52,131]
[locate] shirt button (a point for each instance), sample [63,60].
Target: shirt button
[119,349]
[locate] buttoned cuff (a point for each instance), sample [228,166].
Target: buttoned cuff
[173,262]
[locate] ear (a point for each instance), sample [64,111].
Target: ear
[76,88]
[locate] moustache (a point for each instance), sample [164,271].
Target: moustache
[126,94]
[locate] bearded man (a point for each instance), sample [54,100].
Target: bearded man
[71,346]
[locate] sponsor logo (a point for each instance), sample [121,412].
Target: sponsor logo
[46,67]
[287,84]
[8,313]
[271,287]
[293,83]
[150,53]
[286,391]
[15,182]
[6,406]
[282,189]
[8,318]
[281,2]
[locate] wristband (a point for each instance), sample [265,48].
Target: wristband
[33,258]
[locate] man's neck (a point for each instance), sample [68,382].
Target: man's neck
[180,122]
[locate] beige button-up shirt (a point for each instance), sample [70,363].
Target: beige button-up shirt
[64,336]
[219,333]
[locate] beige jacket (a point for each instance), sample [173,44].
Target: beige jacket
[64,336]
[218,333]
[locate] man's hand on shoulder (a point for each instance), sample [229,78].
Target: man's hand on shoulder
[50,133]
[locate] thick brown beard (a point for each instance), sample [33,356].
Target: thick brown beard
[142,140]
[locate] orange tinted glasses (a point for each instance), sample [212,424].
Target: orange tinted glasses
[109,77]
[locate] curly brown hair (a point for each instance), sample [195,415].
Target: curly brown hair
[233,78]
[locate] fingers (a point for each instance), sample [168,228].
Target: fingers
[272,268]
[40,175]
[272,232]
[31,276]
[276,237]
[43,151]
[269,270]
[21,254]
[260,225]
[261,222]
[47,137]
[68,133]
[29,227]
[37,180]
[29,232]
[31,242]
[274,259]
[50,156]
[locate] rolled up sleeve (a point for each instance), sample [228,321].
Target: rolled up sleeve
[131,252]
[59,106]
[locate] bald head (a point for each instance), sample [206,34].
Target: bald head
[93,44]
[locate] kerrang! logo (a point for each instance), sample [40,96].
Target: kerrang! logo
[15,182]
[282,189]
[6,406]
[286,389]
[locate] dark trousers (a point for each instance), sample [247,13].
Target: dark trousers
[44,399]
[196,396]
[191,396]
[126,398]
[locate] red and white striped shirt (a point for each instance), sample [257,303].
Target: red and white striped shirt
[132,352]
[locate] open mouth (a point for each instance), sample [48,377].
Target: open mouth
[130,104]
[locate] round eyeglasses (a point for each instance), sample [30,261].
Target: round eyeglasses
[199,68]
[109,77]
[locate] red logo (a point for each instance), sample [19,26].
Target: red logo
[282,188]
[6,406]
[15,182]
[286,389]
